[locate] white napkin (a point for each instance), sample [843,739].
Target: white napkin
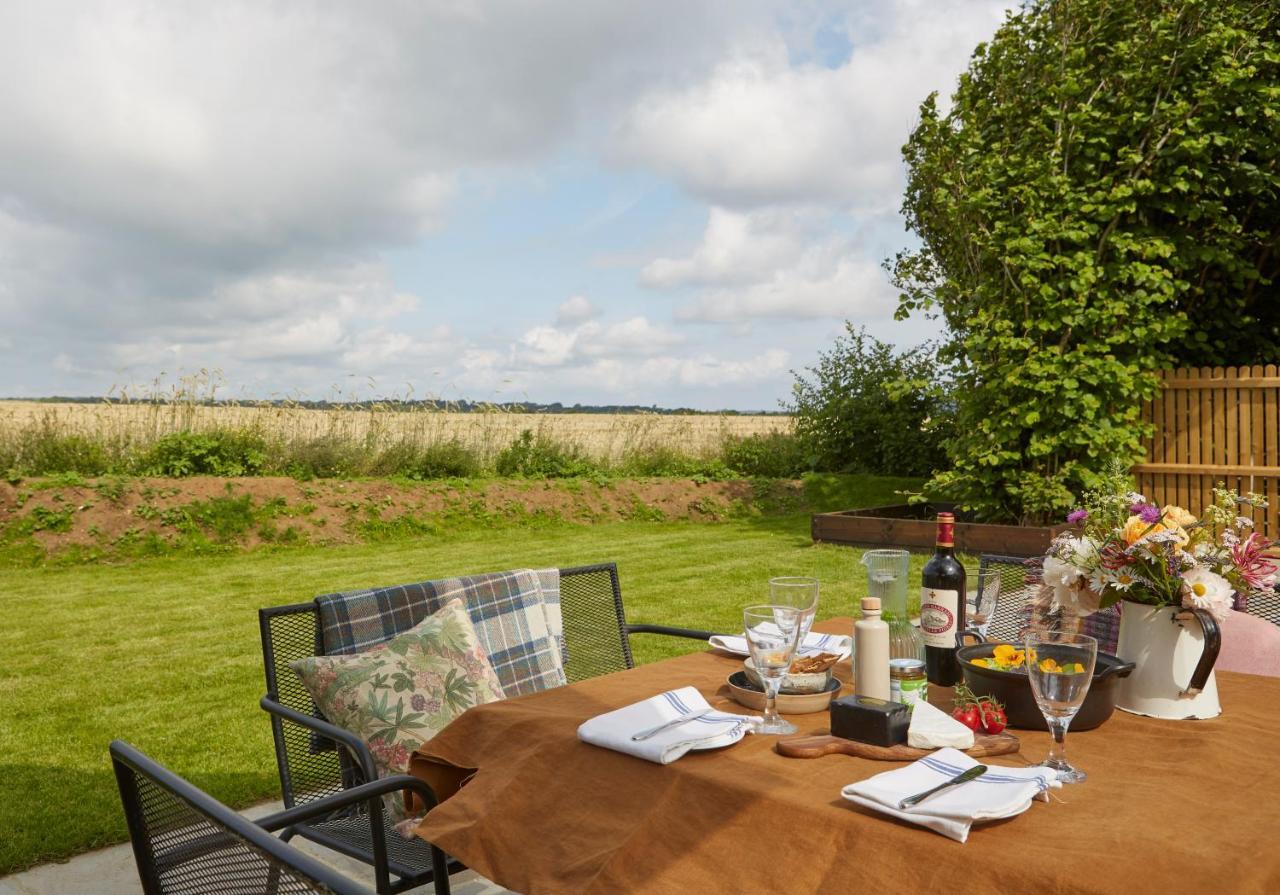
[813,644]
[614,730]
[1000,792]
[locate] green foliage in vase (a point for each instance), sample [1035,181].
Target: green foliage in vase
[1101,199]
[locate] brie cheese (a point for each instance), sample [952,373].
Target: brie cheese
[932,728]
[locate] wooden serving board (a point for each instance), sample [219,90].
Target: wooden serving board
[825,744]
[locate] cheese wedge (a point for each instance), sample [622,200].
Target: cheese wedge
[932,728]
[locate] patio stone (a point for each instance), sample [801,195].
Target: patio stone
[111,871]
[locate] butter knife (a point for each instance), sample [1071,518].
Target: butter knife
[674,722]
[972,774]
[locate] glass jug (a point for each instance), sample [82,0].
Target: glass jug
[887,579]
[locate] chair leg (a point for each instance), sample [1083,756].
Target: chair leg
[440,871]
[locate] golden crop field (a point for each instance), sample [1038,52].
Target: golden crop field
[606,437]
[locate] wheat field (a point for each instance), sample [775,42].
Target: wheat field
[603,437]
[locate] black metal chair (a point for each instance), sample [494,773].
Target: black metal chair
[185,842]
[1010,577]
[317,759]
[1266,605]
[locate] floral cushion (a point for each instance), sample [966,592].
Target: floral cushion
[399,694]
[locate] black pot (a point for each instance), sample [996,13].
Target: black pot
[1014,689]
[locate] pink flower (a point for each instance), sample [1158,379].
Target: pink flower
[1257,570]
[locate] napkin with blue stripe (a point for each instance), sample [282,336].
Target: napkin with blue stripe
[614,730]
[999,793]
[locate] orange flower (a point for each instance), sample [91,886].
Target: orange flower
[1178,516]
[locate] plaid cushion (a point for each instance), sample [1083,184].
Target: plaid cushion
[1104,625]
[506,608]
[549,583]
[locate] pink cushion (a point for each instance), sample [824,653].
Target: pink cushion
[1249,644]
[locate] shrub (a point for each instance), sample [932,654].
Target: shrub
[327,457]
[222,452]
[658,461]
[441,460]
[537,456]
[1101,199]
[41,451]
[775,455]
[869,408]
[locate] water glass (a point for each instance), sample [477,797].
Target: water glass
[1060,666]
[772,633]
[797,593]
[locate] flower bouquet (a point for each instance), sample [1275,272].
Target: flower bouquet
[1125,547]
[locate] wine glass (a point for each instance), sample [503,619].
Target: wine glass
[772,633]
[1060,666]
[797,593]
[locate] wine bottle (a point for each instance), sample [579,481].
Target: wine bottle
[942,606]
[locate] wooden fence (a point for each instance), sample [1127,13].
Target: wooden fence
[1215,424]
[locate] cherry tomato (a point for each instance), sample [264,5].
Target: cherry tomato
[968,716]
[993,718]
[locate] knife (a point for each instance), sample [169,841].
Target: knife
[972,774]
[674,722]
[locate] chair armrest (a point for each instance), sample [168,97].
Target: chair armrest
[357,747]
[348,797]
[669,631]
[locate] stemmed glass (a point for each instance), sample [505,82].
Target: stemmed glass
[1060,692]
[772,633]
[800,594]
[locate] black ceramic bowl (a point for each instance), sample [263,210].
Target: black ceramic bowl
[1014,690]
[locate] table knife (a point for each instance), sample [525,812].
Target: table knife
[972,774]
[674,722]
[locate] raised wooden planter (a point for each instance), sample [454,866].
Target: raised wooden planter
[912,527]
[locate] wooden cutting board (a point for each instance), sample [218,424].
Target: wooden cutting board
[825,744]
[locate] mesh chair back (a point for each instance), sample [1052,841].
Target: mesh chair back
[1014,583]
[595,627]
[311,766]
[187,843]
[1266,605]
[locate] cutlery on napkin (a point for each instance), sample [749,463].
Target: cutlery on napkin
[660,739]
[998,793]
[813,644]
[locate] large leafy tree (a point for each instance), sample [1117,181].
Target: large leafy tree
[1102,199]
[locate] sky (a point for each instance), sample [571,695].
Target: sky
[583,201]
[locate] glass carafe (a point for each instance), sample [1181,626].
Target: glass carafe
[887,579]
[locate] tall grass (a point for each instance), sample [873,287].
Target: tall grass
[184,429]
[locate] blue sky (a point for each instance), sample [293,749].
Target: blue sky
[672,203]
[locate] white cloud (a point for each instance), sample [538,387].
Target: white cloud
[775,263]
[761,130]
[736,248]
[557,346]
[574,309]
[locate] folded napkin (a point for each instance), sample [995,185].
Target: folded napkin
[813,644]
[1000,792]
[614,730]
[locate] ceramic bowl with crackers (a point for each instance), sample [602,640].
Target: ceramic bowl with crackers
[807,674]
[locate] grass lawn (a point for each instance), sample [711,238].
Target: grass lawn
[164,652]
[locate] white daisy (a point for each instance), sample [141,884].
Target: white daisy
[1203,589]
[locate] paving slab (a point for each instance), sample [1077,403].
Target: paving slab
[111,871]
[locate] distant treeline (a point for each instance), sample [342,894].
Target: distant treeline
[460,406]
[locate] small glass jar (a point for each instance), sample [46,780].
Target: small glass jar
[908,682]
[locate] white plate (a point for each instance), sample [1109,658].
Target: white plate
[814,643]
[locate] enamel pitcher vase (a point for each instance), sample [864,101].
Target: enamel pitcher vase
[1174,650]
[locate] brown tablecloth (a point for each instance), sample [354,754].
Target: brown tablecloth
[1170,806]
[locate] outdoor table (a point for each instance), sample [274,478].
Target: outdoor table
[1169,806]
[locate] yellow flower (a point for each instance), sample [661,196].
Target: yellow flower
[1136,527]
[1003,653]
[1178,516]
[1049,665]
[981,663]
